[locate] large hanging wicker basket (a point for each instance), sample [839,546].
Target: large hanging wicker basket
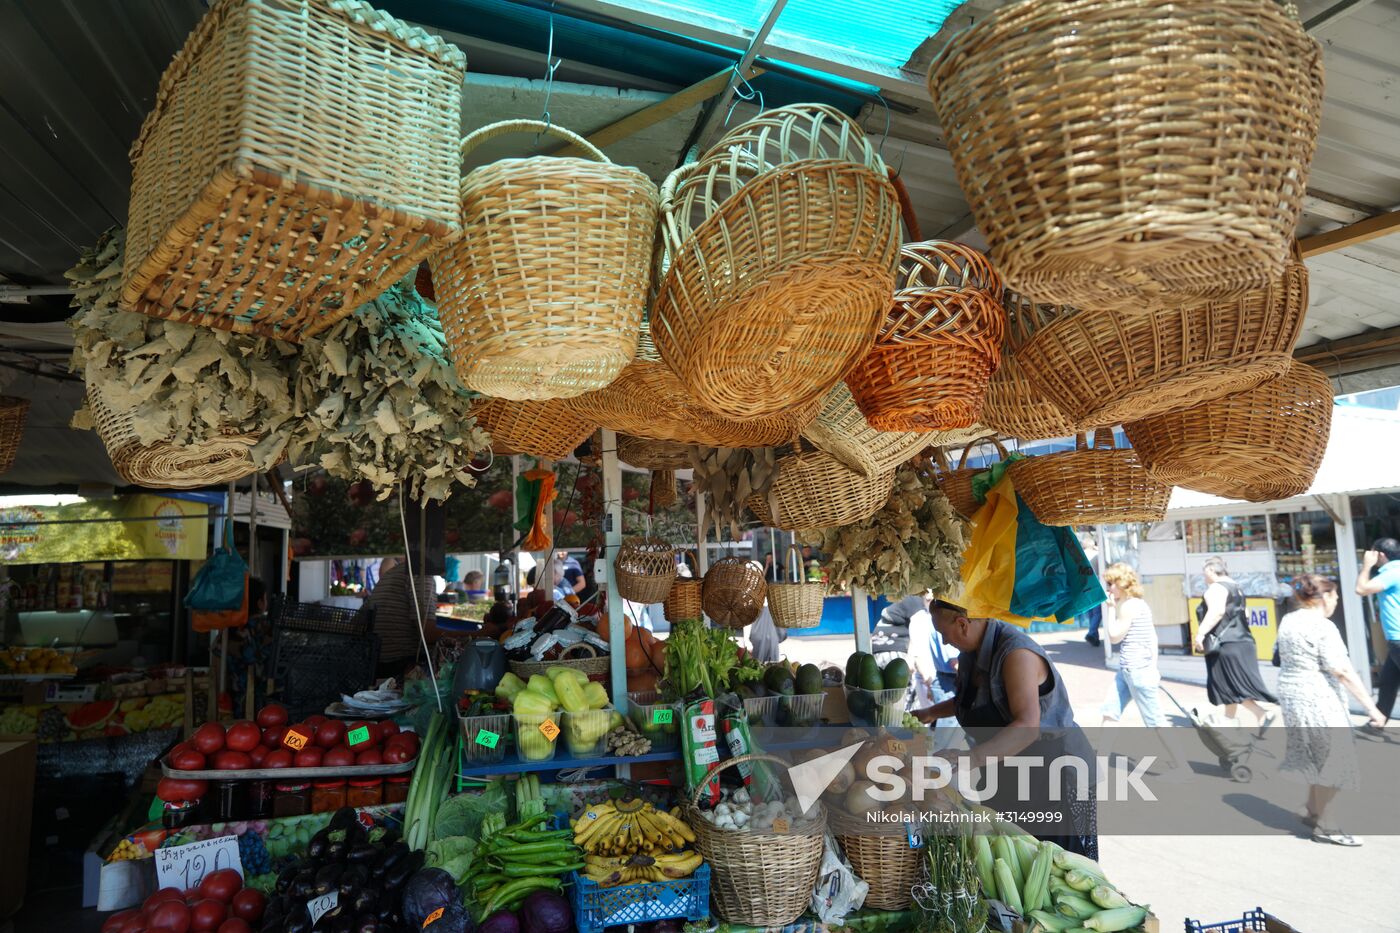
[733,592]
[683,600]
[758,879]
[882,859]
[1106,367]
[543,295]
[1262,444]
[13,412]
[541,429]
[1015,406]
[796,604]
[842,431]
[955,479]
[1102,144]
[939,344]
[647,454]
[1090,485]
[300,158]
[165,465]
[813,489]
[645,569]
[779,274]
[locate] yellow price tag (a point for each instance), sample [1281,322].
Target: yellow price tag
[549,730]
[295,740]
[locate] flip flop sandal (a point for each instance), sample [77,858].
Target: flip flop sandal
[1335,837]
[1307,819]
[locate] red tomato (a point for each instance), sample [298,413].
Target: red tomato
[177,789]
[314,721]
[387,729]
[278,758]
[249,905]
[192,897]
[164,894]
[371,739]
[273,714]
[243,736]
[395,754]
[235,925]
[338,757]
[208,738]
[258,755]
[221,885]
[114,923]
[309,757]
[172,916]
[207,914]
[181,747]
[303,729]
[187,759]
[231,761]
[135,926]
[330,733]
[370,756]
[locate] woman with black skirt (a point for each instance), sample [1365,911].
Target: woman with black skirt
[1232,658]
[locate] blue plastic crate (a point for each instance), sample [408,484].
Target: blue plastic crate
[1254,921]
[597,908]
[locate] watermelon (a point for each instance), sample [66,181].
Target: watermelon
[91,715]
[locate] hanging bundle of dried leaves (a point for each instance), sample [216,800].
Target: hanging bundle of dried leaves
[914,543]
[726,477]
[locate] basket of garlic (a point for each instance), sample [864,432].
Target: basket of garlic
[763,854]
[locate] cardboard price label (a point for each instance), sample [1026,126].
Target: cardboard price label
[486,738]
[357,736]
[662,717]
[185,866]
[434,916]
[549,730]
[320,906]
[295,740]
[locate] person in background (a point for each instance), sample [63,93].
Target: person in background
[1380,577]
[396,616]
[1094,617]
[474,584]
[573,572]
[894,637]
[250,650]
[1313,670]
[1232,671]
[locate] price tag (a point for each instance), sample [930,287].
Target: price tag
[185,866]
[434,916]
[357,736]
[916,836]
[318,907]
[781,825]
[549,730]
[295,740]
[487,739]
[662,717]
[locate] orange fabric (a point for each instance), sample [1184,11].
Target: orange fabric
[537,539]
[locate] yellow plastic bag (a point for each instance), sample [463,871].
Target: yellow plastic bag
[989,563]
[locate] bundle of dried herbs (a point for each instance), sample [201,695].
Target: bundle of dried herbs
[726,477]
[915,542]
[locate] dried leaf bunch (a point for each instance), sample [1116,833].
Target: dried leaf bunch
[726,477]
[915,542]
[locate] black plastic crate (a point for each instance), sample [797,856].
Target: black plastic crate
[312,669]
[314,617]
[1254,921]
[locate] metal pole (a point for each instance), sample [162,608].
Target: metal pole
[717,107]
[1347,574]
[860,611]
[612,540]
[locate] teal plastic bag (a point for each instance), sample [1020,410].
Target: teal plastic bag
[220,584]
[1053,575]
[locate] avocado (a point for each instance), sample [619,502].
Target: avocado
[862,707]
[869,676]
[853,667]
[778,678]
[896,675]
[809,679]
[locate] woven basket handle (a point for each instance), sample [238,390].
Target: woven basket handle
[694,561]
[990,438]
[715,770]
[505,127]
[1103,440]
[794,550]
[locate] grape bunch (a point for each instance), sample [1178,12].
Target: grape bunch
[53,726]
[253,852]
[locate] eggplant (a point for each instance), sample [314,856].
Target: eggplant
[336,850]
[342,818]
[298,921]
[285,879]
[356,834]
[342,921]
[397,876]
[363,854]
[352,879]
[316,846]
[328,879]
[366,923]
[388,906]
[390,836]
[365,900]
[302,886]
[392,857]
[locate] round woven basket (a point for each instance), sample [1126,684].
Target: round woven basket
[683,600]
[939,344]
[165,465]
[955,480]
[541,429]
[883,860]
[13,412]
[1261,444]
[758,879]
[1105,367]
[1090,485]
[733,591]
[648,454]
[813,489]
[645,569]
[542,296]
[842,431]
[796,605]
[1101,144]
[596,666]
[1016,408]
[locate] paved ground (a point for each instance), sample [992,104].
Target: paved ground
[1316,888]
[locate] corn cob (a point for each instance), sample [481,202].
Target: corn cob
[1006,886]
[1038,880]
[1076,907]
[1052,923]
[985,861]
[1082,881]
[1026,850]
[1119,918]
[1004,849]
[1068,860]
[1106,897]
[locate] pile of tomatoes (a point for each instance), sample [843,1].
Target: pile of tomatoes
[220,905]
[270,742]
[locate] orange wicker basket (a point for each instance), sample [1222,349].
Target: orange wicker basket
[13,412]
[939,344]
[1090,485]
[1261,444]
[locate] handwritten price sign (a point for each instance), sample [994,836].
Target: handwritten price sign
[295,740]
[662,717]
[549,730]
[487,738]
[185,866]
[320,906]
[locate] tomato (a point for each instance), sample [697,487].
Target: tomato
[249,905]
[273,714]
[278,758]
[330,733]
[371,739]
[232,761]
[182,747]
[186,760]
[370,756]
[173,790]
[315,721]
[114,923]
[395,754]
[338,757]
[164,894]
[221,885]
[207,914]
[243,736]
[235,925]
[387,729]
[309,757]
[172,916]
[272,736]
[208,738]
[258,755]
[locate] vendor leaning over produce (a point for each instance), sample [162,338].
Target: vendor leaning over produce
[1010,700]
[392,608]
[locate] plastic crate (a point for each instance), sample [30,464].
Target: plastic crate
[311,669]
[596,908]
[1254,921]
[314,617]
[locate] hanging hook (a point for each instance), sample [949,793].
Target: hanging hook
[550,66]
[886,135]
[739,94]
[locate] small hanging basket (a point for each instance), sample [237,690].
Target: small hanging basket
[647,454]
[542,296]
[733,592]
[165,465]
[796,605]
[541,429]
[842,431]
[13,412]
[813,489]
[956,481]
[645,569]
[1262,444]
[1090,485]
[683,600]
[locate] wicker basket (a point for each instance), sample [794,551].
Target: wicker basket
[882,859]
[955,480]
[1102,143]
[778,278]
[842,431]
[683,601]
[813,489]
[1015,407]
[541,429]
[645,569]
[939,344]
[13,412]
[799,132]
[595,668]
[648,454]
[164,465]
[758,879]
[1090,486]
[647,400]
[1105,367]
[543,295]
[796,605]
[1261,444]
[733,591]
[300,158]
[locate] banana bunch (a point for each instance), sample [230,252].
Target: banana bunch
[628,827]
[607,871]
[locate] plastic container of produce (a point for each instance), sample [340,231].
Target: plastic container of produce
[485,738]
[785,712]
[533,741]
[649,718]
[586,732]
[875,707]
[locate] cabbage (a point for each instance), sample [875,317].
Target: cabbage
[426,891]
[544,912]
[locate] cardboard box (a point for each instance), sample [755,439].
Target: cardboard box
[18,754]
